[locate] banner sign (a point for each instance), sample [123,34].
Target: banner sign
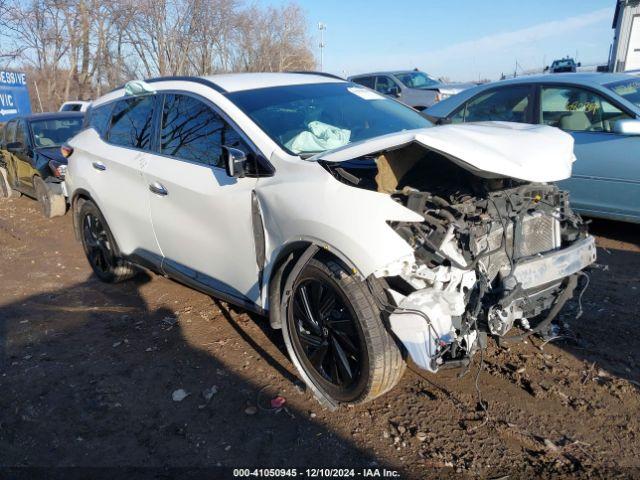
[14,95]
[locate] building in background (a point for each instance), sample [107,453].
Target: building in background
[625,51]
[14,95]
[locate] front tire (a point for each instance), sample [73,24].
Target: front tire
[100,247]
[335,335]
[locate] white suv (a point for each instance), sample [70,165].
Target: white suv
[370,237]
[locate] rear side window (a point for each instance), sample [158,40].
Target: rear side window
[10,132]
[192,130]
[71,107]
[365,81]
[98,118]
[21,133]
[132,122]
[506,104]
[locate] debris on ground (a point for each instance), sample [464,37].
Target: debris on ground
[208,393]
[251,410]
[179,395]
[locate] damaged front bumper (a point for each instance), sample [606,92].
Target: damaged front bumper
[553,266]
[427,321]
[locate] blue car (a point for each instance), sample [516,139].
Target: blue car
[601,111]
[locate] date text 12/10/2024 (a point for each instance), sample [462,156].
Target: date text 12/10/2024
[315,473]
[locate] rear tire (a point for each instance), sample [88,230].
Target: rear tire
[100,247]
[52,204]
[335,335]
[5,188]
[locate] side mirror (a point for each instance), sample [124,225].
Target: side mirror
[235,162]
[546,69]
[15,147]
[627,126]
[579,64]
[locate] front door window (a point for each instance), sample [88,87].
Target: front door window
[578,110]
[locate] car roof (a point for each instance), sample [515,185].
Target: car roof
[596,80]
[389,72]
[235,82]
[51,115]
[585,78]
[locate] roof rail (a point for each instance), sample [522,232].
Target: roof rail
[311,72]
[182,78]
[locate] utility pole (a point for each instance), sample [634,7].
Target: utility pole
[38,95]
[322,27]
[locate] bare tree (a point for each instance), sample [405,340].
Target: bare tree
[273,39]
[75,49]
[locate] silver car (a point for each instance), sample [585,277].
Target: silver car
[412,87]
[601,111]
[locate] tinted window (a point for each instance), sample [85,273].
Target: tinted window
[54,132]
[366,81]
[131,122]
[317,117]
[10,132]
[192,130]
[21,133]
[71,107]
[505,104]
[99,118]
[576,109]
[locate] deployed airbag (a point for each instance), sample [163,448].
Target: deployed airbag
[319,137]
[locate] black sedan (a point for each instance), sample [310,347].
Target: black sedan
[31,161]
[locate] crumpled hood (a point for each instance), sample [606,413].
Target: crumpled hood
[534,153]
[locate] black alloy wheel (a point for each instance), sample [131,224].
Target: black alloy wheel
[97,245]
[326,335]
[100,246]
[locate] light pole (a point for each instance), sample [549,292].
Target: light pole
[322,27]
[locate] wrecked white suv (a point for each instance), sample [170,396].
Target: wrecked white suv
[370,237]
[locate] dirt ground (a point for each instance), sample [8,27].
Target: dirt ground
[87,373]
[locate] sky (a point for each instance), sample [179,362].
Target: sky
[459,39]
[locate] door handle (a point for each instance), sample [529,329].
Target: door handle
[99,166]
[158,189]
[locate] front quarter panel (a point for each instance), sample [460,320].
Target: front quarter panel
[303,202]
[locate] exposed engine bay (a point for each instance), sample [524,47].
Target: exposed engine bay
[492,252]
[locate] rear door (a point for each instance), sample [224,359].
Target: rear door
[606,174]
[122,132]
[201,216]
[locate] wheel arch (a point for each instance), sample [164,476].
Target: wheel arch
[279,270]
[80,196]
